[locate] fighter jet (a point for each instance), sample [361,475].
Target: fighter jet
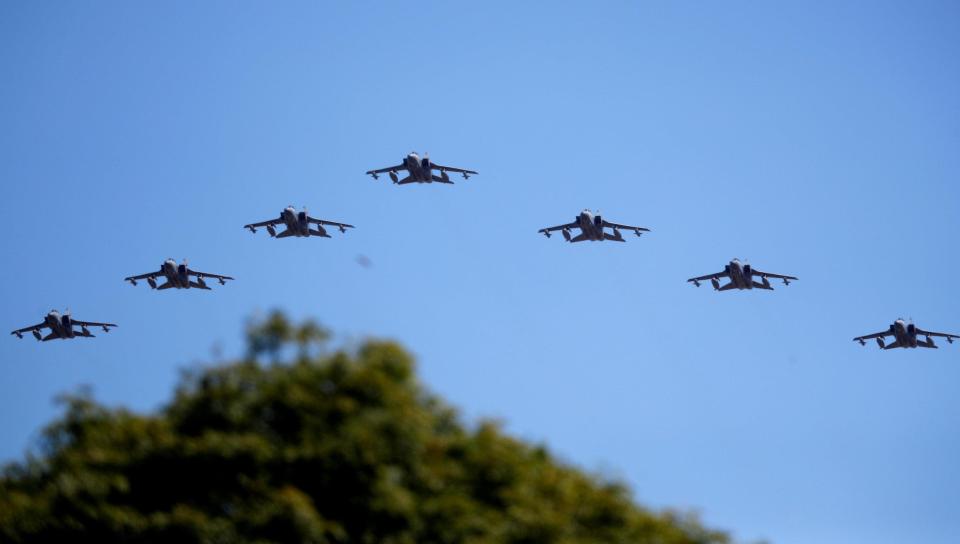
[905,336]
[297,224]
[61,326]
[592,228]
[420,171]
[741,277]
[177,276]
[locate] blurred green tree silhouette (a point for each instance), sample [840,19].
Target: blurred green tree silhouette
[343,447]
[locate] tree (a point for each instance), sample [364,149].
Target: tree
[345,447]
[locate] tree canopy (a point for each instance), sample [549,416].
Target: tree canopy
[325,447]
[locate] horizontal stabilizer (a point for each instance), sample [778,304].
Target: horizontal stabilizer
[315,232]
[52,336]
[893,345]
[285,234]
[612,238]
[728,287]
[579,238]
[165,286]
[758,285]
[438,179]
[197,285]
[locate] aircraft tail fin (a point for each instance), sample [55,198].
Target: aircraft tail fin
[315,232]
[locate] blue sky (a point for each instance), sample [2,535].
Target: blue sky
[817,139]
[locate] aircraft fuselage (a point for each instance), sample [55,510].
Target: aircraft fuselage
[905,334]
[61,324]
[591,227]
[176,274]
[741,276]
[419,169]
[296,222]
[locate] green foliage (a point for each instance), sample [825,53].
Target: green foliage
[339,448]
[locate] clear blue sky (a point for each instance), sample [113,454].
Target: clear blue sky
[817,139]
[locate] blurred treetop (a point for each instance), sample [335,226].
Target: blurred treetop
[335,447]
